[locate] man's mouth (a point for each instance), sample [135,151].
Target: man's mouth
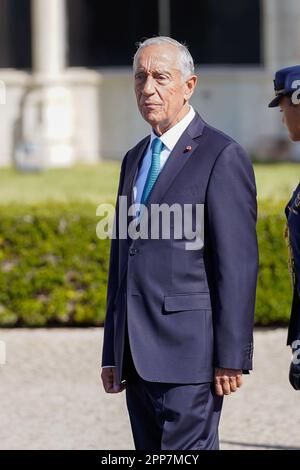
[150,105]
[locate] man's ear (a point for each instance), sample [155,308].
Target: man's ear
[190,86]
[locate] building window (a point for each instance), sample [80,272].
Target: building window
[217,32]
[105,33]
[15,34]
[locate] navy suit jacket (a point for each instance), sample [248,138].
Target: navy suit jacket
[188,311]
[292,212]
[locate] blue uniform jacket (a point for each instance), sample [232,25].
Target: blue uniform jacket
[292,212]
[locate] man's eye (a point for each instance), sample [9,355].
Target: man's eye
[162,78]
[139,76]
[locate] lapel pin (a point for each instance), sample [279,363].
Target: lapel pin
[188,148]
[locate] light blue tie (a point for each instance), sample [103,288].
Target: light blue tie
[153,173]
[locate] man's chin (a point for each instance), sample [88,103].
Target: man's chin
[151,118]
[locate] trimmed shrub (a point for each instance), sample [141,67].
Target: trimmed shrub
[53,268]
[274,291]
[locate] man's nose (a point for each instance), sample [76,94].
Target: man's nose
[149,87]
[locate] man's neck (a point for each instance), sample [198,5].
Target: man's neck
[181,115]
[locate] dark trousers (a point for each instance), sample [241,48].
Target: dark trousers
[170,416]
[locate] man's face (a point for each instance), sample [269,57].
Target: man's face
[291,117]
[162,94]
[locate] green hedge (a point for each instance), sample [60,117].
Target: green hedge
[274,291]
[53,268]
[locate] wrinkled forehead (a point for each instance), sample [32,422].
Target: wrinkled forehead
[158,57]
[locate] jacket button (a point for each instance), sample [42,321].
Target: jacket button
[133,251]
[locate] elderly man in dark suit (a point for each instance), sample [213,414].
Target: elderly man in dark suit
[179,323]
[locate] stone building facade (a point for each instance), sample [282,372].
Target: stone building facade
[66,90]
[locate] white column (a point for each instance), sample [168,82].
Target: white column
[281,41]
[47,115]
[281,21]
[49,37]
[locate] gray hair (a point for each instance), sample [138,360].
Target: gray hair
[186,62]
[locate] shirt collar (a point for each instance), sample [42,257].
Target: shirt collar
[171,137]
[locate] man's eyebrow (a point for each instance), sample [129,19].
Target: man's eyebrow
[162,71]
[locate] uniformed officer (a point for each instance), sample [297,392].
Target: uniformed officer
[287,97]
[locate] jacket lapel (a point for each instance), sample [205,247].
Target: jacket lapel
[133,170]
[177,159]
[133,166]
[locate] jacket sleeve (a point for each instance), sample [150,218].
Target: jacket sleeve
[294,235]
[232,216]
[112,283]
[294,240]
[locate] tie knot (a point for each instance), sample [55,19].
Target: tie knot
[157,146]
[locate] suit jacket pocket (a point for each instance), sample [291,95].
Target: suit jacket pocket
[188,301]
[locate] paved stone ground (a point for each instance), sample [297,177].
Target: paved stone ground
[51,396]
